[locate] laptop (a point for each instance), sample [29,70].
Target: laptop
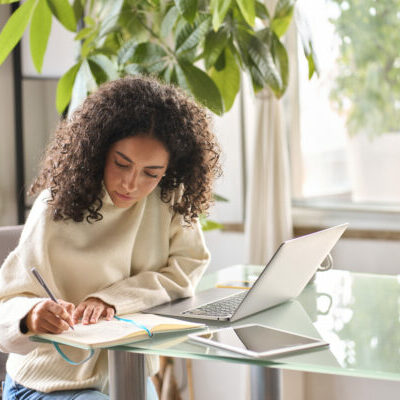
[284,278]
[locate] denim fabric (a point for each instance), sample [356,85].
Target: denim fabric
[15,391]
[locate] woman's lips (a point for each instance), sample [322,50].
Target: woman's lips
[124,197]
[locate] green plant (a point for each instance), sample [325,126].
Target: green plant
[367,87]
[200,45]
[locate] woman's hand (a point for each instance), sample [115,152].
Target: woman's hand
[91,310]
[50,317]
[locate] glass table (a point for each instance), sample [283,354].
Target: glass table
[358,314]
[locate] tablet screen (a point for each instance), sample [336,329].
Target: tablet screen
[256,338]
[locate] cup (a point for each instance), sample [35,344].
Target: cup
[326,265]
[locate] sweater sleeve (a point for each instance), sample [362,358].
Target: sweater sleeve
[187,261]
[19,292]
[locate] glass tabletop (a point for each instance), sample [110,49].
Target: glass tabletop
[357,314]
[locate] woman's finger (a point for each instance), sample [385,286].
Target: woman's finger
[87,314]
[78,312]
[97,312]
[70,307]
[53,326]
[109,313]
[59,311]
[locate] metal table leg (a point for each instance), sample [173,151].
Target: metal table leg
[266,383]
[127,377]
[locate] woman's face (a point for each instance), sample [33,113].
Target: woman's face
[134,167]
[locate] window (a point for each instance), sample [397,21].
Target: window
[350,114]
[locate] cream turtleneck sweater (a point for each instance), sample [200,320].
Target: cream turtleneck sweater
[133,259]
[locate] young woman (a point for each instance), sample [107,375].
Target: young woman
[114,230]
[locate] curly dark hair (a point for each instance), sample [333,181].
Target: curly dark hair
[74,163]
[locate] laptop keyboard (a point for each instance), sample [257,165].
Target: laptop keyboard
[221,308]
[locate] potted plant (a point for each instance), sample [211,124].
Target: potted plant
[200,45]
[367,91]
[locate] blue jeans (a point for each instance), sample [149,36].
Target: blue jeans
[15,391]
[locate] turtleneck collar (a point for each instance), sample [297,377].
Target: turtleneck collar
[106,198]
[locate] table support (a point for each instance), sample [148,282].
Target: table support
[266,383]
[127,377]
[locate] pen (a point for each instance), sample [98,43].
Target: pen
[37,275]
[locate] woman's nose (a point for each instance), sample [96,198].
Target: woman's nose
[131,181]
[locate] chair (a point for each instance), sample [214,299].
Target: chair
[9,236]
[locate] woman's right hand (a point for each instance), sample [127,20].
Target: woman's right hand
[50,317]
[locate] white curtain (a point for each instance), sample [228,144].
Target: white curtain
[269,219]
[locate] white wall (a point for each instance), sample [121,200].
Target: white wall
[40,119]
[8,209]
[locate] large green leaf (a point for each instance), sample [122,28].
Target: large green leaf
[14,28]
[134,69]
[279,56]
[280,25]
[219,9]
[84,33]
[181,80]
[262,10]
[89,21]
[214,45]
[263,62]
[39,33]
[203,87]
[188,8]
[89,43]
[168,74]
[78,9]
[169,21]
[227,80]
[208,224]
[281,59]
[98,73]
[8,1]
[64,88]
[248,10]
[256,54]
[131,23]
[311,66]
[106,65]
[151,56]
[84,84]
[282,16]
[126,51]
[109,18]
[64,12]
[283,8]
[218,197]
[242,39]
[190,37]
[111,45]
[257,79]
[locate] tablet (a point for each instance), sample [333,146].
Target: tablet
[257,341]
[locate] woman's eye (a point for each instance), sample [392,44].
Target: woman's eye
[121,165]
[151,175]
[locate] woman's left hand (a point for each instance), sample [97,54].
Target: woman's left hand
[91,310]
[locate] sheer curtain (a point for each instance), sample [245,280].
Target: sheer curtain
[269,219]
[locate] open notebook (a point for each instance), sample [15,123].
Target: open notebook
[120,330]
